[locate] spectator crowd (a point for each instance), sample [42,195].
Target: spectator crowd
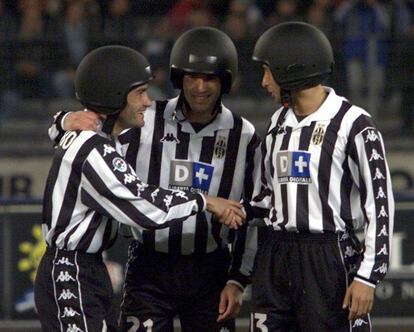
[42,42]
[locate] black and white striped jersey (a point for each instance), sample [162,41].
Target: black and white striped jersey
[222,159]
[328,173]
[89,183]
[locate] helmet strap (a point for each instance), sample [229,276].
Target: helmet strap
[286,98]
[109,123]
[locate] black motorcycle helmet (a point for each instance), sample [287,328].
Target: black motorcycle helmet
[298,54]
[204,50]
[106,75]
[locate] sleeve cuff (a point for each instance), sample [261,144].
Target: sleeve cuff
[248,211]
[238,278]
[201,203]
[234,282]
[366,281]
[61,121]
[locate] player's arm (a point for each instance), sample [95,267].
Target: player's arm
[68,121]
[244,246]
[259,204]
[371,174]
[110,186]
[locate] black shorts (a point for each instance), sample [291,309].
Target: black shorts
[159,287]
[299,283]
[73,292]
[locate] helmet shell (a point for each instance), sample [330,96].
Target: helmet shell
[298,54]
[106,75]
[204,50]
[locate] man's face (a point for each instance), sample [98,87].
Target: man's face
[132,116]
[269,84]
[201,91]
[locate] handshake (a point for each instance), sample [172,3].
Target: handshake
[227,211]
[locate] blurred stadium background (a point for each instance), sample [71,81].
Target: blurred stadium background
[42,41]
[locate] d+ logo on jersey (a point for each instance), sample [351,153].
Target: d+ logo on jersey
[293,166]
[187,175]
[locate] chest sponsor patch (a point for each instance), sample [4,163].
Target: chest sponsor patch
[293,166]
[188,175]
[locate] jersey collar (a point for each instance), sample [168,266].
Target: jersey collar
[224,120]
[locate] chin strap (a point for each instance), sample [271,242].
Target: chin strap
[286,98]
[109,123]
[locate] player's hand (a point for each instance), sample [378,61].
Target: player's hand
[230,302]
[82,120]
[228,212]
[359,298]
[232,217]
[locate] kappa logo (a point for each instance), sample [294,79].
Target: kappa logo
[167,201]
[66,294]
[381,193]
[64,261]
[293,166]
[141,186]
[224,329]
[154,194]
[383,251]
[73,328]
[220,147]
[349,251]
[189,175]
[382,269]
[169,137]
[378,175]
[359,322]
[371,136]
[69,312]
[108,149]
[375,155]
[382,213]
[64,277]
[129,178]
[281,130]
[318,134]
[383,231]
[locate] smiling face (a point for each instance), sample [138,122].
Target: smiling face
[201,92]
[269,83]
[132,116]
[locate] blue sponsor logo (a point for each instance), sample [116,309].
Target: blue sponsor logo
[300,164]
[202,175]
[293,166]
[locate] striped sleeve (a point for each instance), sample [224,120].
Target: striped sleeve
[259,206]
[56,130]
[377,202]
[245,244]
[110,186]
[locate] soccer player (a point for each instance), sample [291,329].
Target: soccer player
[89,185]
[325,176]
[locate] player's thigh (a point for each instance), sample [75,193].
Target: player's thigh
[272,322]
[146,304]
[202,316]
[45,299]
[97,298]
[146,322]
